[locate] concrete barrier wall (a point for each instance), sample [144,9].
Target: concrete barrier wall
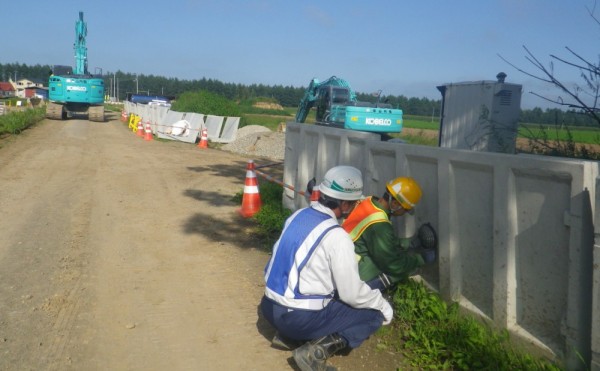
[596,286]
[162,119]
[516,231]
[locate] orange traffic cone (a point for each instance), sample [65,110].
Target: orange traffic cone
[251,199]
[315,195]
[203,139]
[148,135]
[123,116]
[140,129]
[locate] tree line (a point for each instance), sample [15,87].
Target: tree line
[287,96]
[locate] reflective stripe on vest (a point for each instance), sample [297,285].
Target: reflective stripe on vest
[291,252]
[363,215]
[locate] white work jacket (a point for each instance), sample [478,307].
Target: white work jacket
[313,258]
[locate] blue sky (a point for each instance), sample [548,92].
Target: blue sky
[403,47]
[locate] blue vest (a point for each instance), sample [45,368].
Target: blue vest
[292,251]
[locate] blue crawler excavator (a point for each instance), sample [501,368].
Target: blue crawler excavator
[76,90]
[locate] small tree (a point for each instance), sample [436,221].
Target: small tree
[583,97]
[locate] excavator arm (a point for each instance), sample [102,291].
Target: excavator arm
[308,100]
[81,65]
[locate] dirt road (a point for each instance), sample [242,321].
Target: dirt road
[123,254]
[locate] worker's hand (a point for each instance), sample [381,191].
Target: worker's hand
[415,243]
[428,255]
[388,313]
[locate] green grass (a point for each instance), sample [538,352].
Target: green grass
[113,107]
[269,121]
[551,133]
[421,122]
[435,335]
[17,121]
[272,214]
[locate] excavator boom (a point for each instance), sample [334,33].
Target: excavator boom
[81,67]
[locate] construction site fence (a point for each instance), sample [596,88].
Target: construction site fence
[181,126]
[519,235]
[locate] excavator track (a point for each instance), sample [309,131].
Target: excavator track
[55,111]
[96,113]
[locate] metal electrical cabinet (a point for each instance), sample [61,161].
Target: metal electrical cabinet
[480,115]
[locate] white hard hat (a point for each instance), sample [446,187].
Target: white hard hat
[343,183]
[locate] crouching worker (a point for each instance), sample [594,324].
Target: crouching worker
[384,259]
[313,290]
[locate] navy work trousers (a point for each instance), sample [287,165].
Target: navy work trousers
[354,325]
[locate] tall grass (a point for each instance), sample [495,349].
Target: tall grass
[435,335]
[17,121]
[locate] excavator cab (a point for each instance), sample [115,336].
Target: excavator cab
[330,99]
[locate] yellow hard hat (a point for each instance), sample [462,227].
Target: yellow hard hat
[406,191]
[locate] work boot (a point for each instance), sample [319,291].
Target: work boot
[313,355]
[281,342]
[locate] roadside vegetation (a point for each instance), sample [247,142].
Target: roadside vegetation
[15,122]
[426,332]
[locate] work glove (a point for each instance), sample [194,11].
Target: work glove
[415,242]
[388,313]
[428,255]
[425,243]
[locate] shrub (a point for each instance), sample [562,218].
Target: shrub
[207,103]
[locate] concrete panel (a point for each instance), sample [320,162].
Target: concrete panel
[157,114]
[229,130]
[595,335]
[300,166]
[129,107]
[330,147]
[595,351]
[473,227]
[144,113]
[213,126]
[196,122]
[542,253]
[168,120]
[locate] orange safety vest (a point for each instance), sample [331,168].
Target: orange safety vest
[363,215]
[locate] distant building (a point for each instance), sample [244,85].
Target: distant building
[21,84]
[36,92]
[7,90]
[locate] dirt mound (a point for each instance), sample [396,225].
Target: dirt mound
[268,105]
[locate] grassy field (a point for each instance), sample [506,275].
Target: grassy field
[583,135]
[577,134]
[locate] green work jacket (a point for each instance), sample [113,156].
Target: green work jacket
[377,247]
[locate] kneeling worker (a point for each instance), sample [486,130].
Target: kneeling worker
[313,290]
[383,258]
